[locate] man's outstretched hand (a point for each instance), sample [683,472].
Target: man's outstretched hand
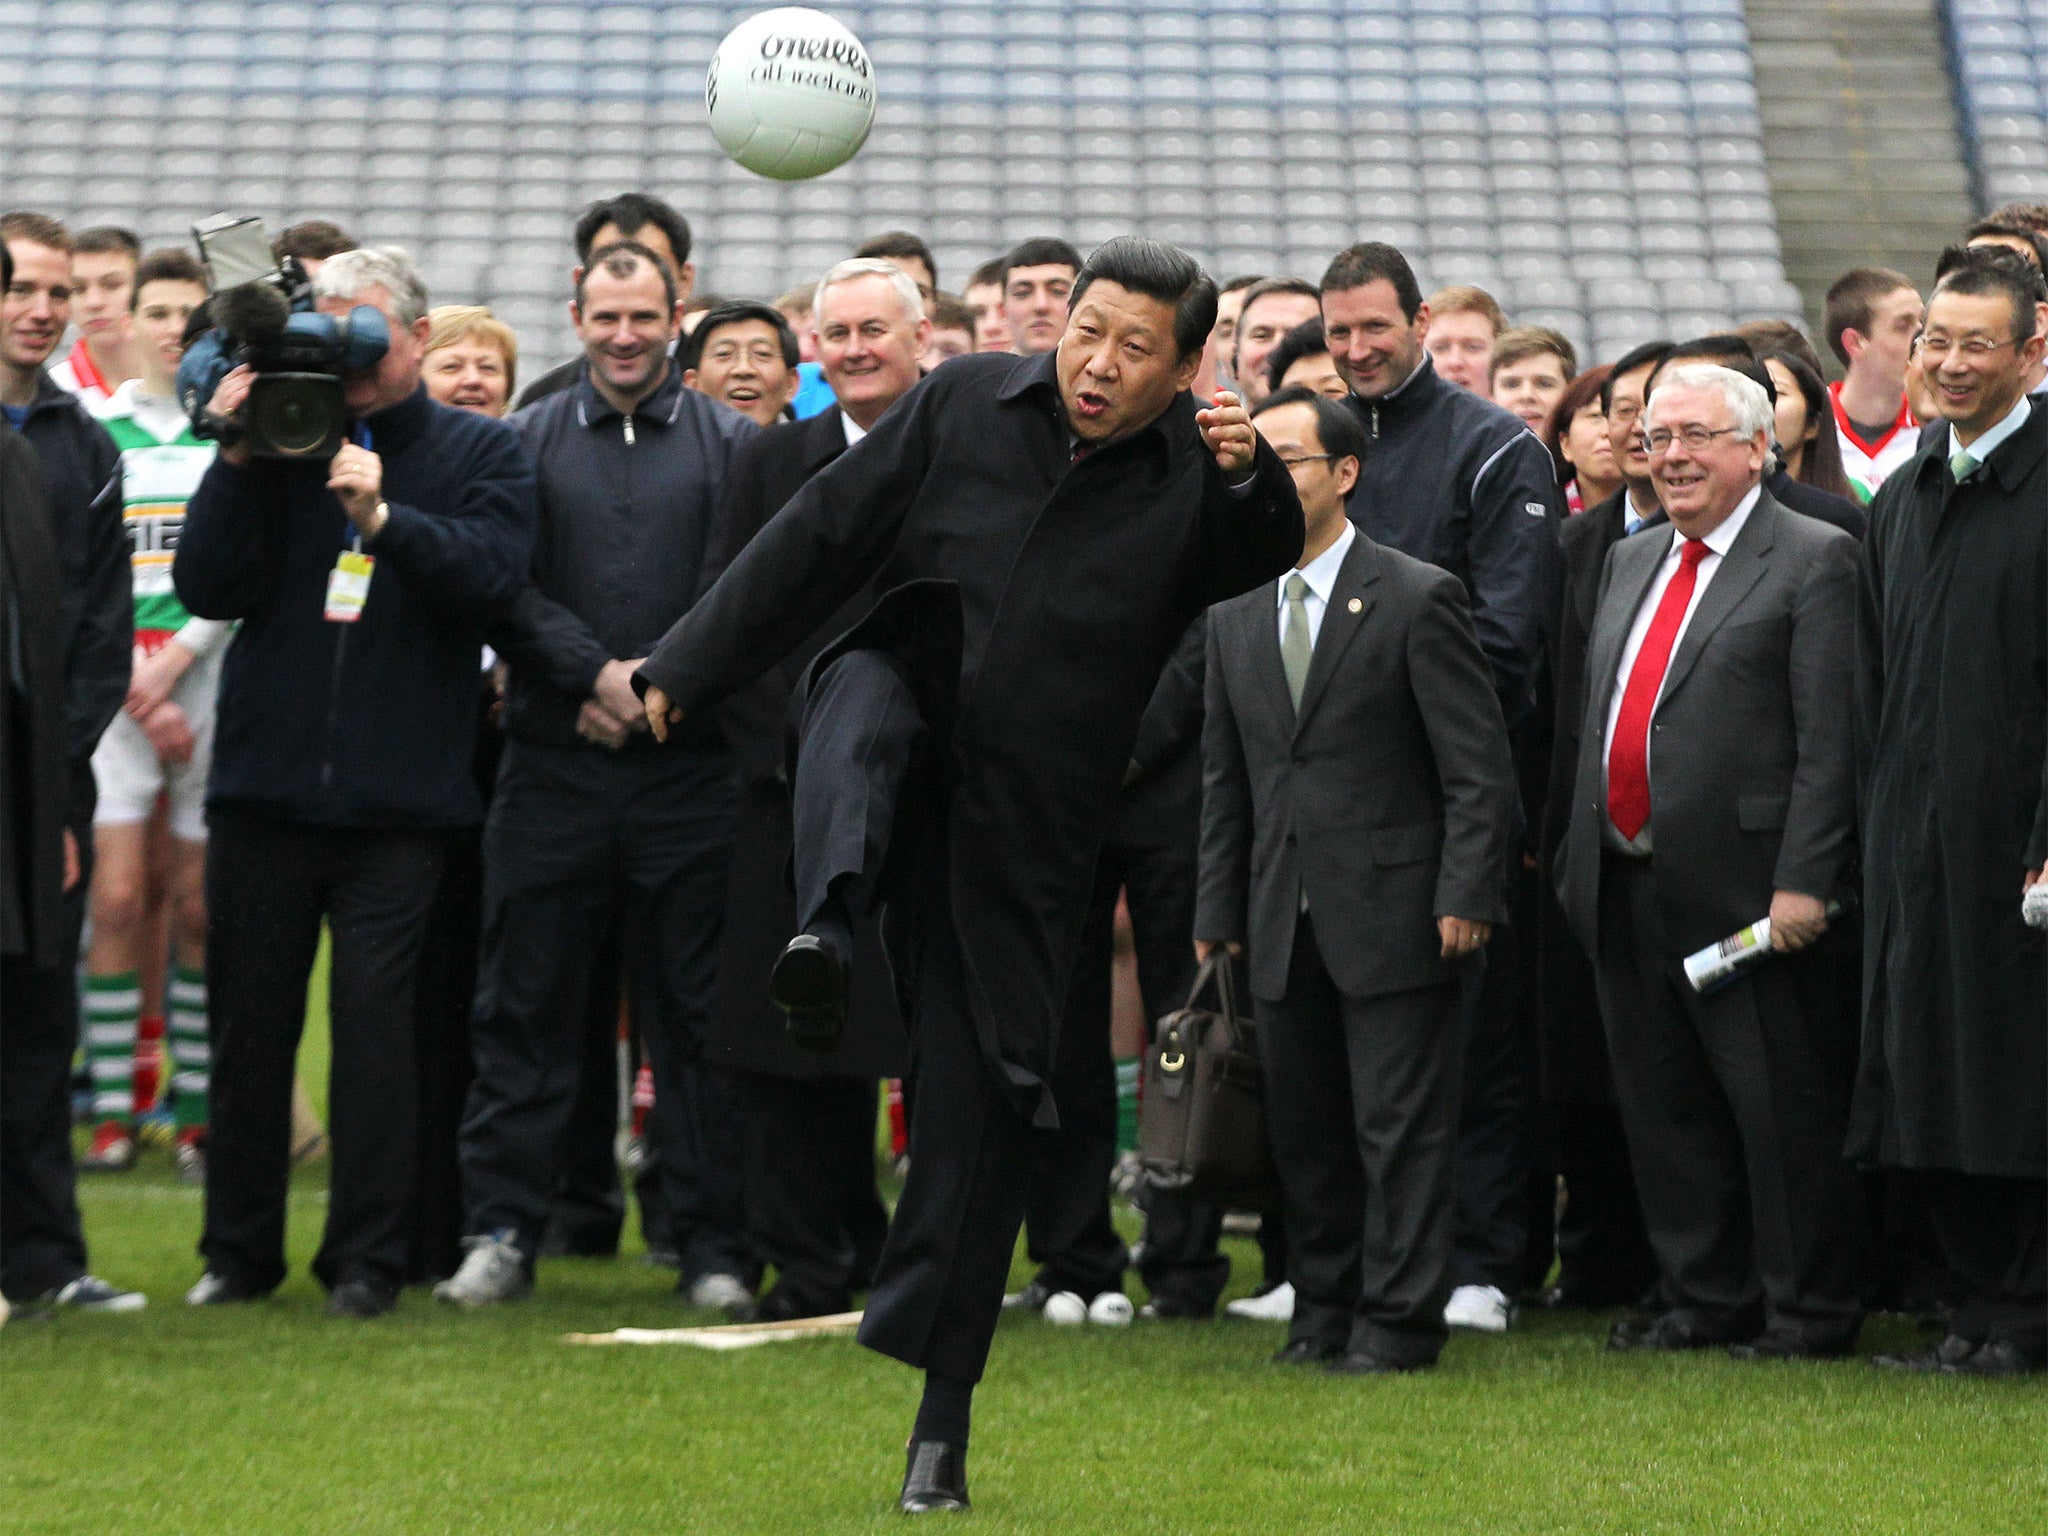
[661,714]
[1228,432]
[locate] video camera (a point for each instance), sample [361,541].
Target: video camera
[262,315]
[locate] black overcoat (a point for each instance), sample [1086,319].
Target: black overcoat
[1954,1064]
[747,1031]
[1075,582]
[35,779]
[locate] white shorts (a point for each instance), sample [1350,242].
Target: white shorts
[130,775]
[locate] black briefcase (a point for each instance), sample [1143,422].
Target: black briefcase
[1203,1124]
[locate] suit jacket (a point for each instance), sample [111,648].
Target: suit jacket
[1389,799]
[1752,742]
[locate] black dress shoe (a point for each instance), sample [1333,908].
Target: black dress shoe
[934,1478]
[1774,1345]
[1665,1334]
[809,985]
[1941,1360]
[780,1306]
[361,1298]
[1370,1362]
[1998,1359]
[1306,1352]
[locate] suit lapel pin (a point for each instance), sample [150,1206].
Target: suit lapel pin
[1356,605]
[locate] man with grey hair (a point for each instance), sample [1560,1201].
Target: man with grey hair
[1716,787]
[812,1208]
[346,725]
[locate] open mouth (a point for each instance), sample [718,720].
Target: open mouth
[1091,405]
[745,392]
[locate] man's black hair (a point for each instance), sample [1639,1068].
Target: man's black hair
[731,314]
[1724,348]
[903,245]
[1159,271]
[1305,340]
[1369,262]
[6,267]
[1984,269]
[1242,280]
[629,213]
[2010,229]
[1337,428]
[621,258]
[990,271]
[1043,251]
[1648,355]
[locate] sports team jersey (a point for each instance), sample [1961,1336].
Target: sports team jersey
[1866,464]
[80,375]
[161,465]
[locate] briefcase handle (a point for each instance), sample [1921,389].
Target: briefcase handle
[1220,972]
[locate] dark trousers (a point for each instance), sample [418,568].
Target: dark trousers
[1736,1115]
[269,884]
[42,1243]
[812,1209]
[1603,1253]
[1494,1129]
[938,1291]
[580,839]
[1067,1228]
[1365,1134]
[1993,1237]
[447,992]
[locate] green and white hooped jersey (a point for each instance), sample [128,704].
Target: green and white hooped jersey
[161,466]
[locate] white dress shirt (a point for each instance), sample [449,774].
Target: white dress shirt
[1988,441]
[854,432]
[1718,544]
[1321,575]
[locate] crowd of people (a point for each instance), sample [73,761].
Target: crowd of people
[1578,667]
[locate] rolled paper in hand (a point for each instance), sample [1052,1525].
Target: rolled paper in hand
[2035,908]
[1718,963]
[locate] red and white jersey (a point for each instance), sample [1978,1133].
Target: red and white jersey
[80,375]
[1866,463]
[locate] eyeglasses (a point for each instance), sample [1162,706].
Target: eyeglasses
[760,353]
[1973,348]
[1695,438]
[1296,460]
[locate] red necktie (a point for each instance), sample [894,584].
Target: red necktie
[1628,755]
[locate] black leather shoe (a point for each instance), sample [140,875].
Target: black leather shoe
[934,1478]
[1664,1334]
[1942,1360]
[780,1306]
[1998,1359]
[809,985]
[1370,1362]
[1774,1345]
[361,1298]
[1306,1352]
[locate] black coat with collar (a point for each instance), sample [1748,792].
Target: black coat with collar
[1388,798]
[1955,1036]
[1752,741]
[1074,582]
[747,1031]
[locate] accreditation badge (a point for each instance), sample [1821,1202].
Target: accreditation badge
[348,586]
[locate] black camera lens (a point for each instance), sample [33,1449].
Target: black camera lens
[296,416]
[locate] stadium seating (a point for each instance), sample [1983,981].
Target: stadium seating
[1596,163]
[2000,54]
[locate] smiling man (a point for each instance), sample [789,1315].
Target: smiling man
[1043,530]
[745,355]
[106,354]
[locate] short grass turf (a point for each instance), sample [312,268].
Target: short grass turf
[269,1418]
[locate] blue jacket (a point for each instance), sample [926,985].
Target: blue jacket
[369,724]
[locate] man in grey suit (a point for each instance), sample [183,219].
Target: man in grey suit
[1357,801]
[1715,785]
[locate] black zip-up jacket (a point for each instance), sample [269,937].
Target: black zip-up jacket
[625,509]
[1460,482]
[369,724]
[82,488]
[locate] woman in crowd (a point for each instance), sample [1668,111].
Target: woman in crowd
[1576,436]
[472,359]
[1805,423]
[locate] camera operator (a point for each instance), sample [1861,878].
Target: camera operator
[345,725]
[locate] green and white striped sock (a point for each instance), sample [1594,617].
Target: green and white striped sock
[112,1006]
[191,1054]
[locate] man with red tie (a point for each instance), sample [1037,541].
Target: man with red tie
[1716,786]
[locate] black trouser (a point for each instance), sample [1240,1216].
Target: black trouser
[1365,1134]
[589,1208]
[813,1210]
[1993,1236]
[447,992]
[938,1291]
[1068,1232]
[1603,1253]
[269,884]
[1736,1115]
[42,1242]
[1494,1142]
[579,838]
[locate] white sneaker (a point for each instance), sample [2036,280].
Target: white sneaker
[491,1272]
[1482,1308]
[1276,1306]
[721,1291]
[1112,1309]
[89,1293]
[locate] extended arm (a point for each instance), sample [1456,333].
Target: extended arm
[473,557]
[1250,533]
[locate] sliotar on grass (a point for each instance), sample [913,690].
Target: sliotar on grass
[269,1419]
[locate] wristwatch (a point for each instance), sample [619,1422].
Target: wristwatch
[383,516]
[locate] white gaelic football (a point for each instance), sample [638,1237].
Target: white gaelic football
[790,93]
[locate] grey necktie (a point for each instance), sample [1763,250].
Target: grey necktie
[1295,646]
[1961,465]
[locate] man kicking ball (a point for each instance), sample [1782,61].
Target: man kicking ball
[1041,531]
